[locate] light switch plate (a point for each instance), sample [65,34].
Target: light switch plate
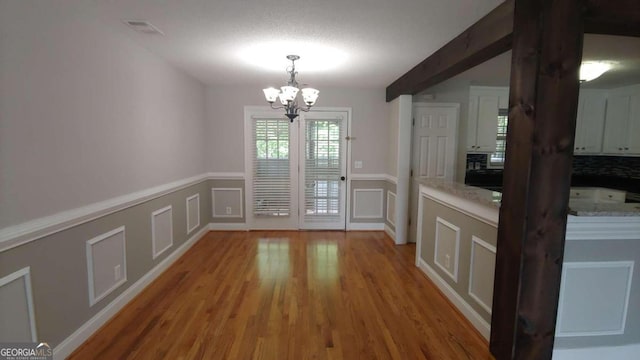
[358,164]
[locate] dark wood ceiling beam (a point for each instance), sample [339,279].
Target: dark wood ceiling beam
[487,38]
[492,35]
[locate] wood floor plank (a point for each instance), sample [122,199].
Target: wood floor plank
[289,295]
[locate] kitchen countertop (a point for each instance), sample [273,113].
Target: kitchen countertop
[493,198]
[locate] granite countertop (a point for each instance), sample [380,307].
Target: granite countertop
[471,193]
[578,208]
[493,198]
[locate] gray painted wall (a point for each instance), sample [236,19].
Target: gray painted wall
[607,250]
[225,134]
[368,184]
[230,184]
[86,113]
[59,265]
[468,227]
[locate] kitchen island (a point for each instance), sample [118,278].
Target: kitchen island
[599,302]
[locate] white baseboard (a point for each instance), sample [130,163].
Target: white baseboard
[228,227]
[630,351]
[365,226]
[390,232]
[71,343]
[474,318]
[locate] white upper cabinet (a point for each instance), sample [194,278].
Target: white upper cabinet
[590,121]
[484,105]
[622,124]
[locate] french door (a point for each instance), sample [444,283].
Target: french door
[322,180]
[296,172]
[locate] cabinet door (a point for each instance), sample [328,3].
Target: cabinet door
[633,127]
[615,129]
[472,124]
[590,122]
[487,123]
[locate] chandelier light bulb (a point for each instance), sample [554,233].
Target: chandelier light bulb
[287,94]
[271,94]
[310,95]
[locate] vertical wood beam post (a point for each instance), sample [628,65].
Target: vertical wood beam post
[543,99]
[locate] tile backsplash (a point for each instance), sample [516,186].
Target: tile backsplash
[620,166]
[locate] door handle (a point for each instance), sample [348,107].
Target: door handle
[343,178]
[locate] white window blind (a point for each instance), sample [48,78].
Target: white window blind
[271,168]
[496,159]
[323,168]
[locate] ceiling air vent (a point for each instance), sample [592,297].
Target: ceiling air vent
[143,26]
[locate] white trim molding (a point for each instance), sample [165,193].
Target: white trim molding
[453,275]
[226,175]
[157,252]
[25,273]
[365,226]
[68,345]
[476,241]
[20,234]
[390,232]
[213,203]
[193,197]
[628,265]
[228,227]
[93,297]
[603,228]
[374,177]
[469,313]
[389,195]
[378,215]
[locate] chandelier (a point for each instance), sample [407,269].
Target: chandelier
[287,94]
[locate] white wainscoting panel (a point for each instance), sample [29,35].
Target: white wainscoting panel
[193,212]
[481,272]
[106,263]
[594,298]
[226,202]
[368,203]
[391,208]
[447,248]
[18,320]
[161,230]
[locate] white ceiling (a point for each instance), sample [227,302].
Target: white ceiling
[343,43]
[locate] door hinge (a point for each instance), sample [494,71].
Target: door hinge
[409,221]
[411,173]
[413,122]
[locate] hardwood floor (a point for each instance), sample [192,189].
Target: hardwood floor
[289,295]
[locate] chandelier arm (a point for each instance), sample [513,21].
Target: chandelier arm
[277,107]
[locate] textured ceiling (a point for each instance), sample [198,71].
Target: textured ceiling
[345,43]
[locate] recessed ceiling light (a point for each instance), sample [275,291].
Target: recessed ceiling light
[143,26]
[271,56]
[590,70]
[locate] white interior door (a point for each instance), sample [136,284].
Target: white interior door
[435,140]
[323,170]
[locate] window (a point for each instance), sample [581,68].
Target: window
[271,172]
[496,159]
